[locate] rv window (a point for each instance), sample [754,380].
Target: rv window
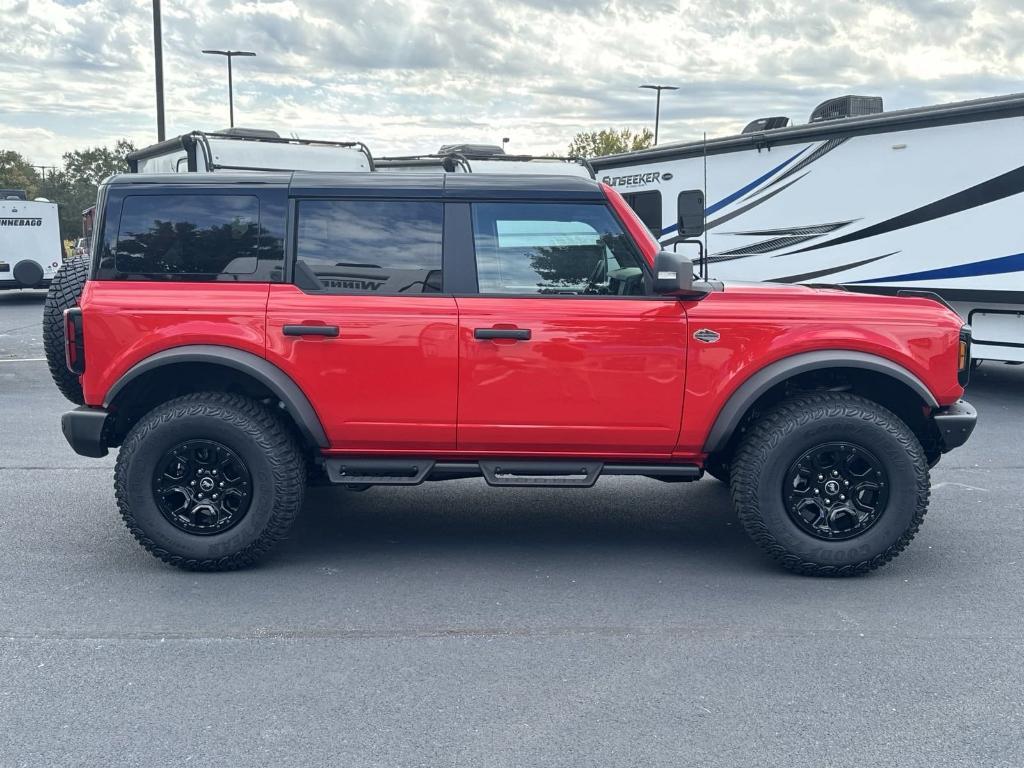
[370,246]
[648,207]
[188,235]
[541,248]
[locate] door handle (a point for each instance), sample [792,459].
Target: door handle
[519,334]
[310,330]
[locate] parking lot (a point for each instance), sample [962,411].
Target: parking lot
[451,624]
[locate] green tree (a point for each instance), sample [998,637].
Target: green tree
[16,173]
[610,141]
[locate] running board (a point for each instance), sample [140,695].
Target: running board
[497,472]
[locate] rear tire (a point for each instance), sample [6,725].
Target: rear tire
[836,449]
[64,293]
[244,458]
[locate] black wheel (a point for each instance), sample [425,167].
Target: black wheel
[209,481]
[718,468]
[65,290]
[830,484]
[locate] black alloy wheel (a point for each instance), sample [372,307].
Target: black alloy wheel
[836,491]
[202,487]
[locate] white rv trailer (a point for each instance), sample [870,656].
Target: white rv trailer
[247,149]
[485,158]
[30,247]
[924,199]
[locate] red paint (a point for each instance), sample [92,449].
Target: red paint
[598,374]
[606,377]
[388,381]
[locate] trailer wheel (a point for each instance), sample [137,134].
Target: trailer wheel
[65,290]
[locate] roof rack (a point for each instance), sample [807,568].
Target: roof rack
[201,139]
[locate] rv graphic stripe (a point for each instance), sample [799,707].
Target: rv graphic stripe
[1005,185]
[828,271]
[820,151]
[997,266]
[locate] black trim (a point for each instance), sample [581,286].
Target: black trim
[955,423]
[761,381]
[310,330]
[84,429]
[458,254]
[516,334]
[268,374]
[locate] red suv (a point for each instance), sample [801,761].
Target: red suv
[241,336]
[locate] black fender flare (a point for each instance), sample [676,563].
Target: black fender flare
[273,378]
[774,373]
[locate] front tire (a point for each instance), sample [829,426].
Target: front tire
[210,481]
[830,484]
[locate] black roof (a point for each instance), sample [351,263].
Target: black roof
[505,186]
[976,110]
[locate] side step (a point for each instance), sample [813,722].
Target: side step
[497,472]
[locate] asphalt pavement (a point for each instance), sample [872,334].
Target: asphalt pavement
[456,625]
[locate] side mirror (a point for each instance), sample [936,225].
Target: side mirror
[690,210]
[673,275]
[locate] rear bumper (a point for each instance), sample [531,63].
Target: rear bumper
[84,430]
[955,423]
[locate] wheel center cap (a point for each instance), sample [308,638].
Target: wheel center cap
[206,484]
[832,487]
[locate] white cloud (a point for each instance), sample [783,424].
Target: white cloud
[409,75]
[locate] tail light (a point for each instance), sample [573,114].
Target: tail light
[74,341]
[963,360]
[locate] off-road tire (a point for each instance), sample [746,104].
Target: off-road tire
[64,292]
[272,456]
[774,441]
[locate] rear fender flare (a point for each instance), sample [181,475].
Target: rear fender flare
[273,378]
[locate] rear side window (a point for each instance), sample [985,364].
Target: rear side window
[369,246]
[188,235]
[553,248]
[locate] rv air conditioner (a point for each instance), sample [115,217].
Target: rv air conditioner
[847,106]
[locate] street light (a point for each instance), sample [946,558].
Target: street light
[231,97]
[657,113]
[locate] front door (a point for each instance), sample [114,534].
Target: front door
[364,329]
[561,350]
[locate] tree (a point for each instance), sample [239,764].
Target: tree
[610,141]
[16,173]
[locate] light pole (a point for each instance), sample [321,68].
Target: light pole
[657,112]
[158,60]
[231,97]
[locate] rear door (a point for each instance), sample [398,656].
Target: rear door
[562,349]
[363,326]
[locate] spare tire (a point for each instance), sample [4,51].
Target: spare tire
[65,290]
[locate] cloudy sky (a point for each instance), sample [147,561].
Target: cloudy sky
[408,75]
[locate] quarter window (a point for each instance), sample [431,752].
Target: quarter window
[553,248]
[370,246]
[188,235]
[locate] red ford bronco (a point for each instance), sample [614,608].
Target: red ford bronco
[241,336]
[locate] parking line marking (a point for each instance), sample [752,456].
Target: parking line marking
[23,360]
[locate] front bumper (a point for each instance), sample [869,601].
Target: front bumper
[84,428]
[955,424]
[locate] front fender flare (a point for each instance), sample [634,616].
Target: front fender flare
[268,374]
[775,373]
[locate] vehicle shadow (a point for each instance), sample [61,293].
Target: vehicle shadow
[466,518]
[19,297]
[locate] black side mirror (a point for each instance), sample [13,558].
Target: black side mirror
[690,210]
[673,275]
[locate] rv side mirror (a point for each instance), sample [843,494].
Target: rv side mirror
[673,275]
[690,209]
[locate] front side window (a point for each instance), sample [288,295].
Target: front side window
[552,249]
[370,246]
[188,235]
